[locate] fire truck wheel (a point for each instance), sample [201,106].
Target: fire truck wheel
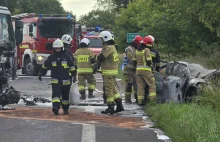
[29,67]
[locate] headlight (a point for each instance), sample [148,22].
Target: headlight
[39,58]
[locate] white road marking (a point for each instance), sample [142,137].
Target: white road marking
[88,133]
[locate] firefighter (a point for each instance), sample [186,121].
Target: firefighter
[67,39]
[109,67]
[61,67]
[130,69]
[85,58]
[144,72]
[154,54]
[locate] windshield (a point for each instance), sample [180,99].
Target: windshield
[6,29]
[95,42]
[56,28]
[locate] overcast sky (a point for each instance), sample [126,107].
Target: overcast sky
[78,7]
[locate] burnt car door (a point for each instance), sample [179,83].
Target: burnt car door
[170,86]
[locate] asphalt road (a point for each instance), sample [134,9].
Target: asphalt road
[84,124]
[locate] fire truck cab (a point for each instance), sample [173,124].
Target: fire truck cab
[39,32]
[95,42]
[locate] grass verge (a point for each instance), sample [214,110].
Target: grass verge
[187,122]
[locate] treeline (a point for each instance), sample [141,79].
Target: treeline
[180,27]
[34,6]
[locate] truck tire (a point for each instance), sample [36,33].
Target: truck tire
[30,68]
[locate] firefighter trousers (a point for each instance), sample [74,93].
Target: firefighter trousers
[143,78]
[110,89]
[60,91]
[130,81]
[82,82]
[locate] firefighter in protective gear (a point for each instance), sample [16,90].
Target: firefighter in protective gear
[154,54]
[85,59]
[130,69]
[67,39]
[109,67]
[62,68]
[144,72]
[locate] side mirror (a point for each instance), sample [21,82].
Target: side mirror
[31,30]
[18,35]
[19,24]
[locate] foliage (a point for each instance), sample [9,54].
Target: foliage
[34,6]
[97,17]
[178,27]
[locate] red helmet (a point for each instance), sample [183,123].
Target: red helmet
[148,41]
[137,39]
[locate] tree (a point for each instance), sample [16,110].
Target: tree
[176,25]
[95,18]
[34,6]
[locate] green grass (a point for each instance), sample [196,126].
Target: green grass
[187,122]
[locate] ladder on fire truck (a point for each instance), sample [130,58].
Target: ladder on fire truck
[23,15]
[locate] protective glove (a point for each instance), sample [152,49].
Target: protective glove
[39,77]
[74,79]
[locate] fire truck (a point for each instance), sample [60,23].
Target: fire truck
[39,32]
[92,34]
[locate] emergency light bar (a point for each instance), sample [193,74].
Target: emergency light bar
[55,15]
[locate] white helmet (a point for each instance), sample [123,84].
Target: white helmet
[151,37]
[106,36]
[86,41]
[66,39]
[57,43]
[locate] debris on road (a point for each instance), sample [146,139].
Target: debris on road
[9,96]
[31,100]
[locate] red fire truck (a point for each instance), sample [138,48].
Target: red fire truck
[39,32]
[95,42]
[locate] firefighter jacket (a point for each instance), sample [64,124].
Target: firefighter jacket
[155,59]
[70,54]
[130,67]
[144,60]
[109,60]
[61,66]
[83,60]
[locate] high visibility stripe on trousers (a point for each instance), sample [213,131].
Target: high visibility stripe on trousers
[56,81]
[110,72]
[113,98]
[85,70]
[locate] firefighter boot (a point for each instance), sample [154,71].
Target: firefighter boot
[119,104]
[91,94]
[56,107]
[65,112]
[83,95]
[55,110]
[109,110]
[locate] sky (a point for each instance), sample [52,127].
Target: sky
[78,7]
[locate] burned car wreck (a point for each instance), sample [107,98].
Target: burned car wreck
[180,81]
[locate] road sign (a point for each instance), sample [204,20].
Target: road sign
[131,36]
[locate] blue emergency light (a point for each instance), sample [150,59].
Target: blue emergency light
[69,16]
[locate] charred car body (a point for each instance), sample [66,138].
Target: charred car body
[180,81]
[8,49]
